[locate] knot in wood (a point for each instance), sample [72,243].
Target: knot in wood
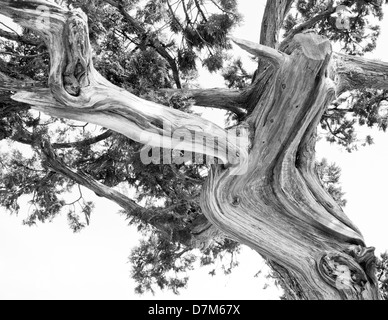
[77,53]
[346,274]
[236,201]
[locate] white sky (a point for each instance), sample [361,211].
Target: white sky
[50,262]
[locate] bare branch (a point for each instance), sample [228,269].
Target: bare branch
[81,178]
[308,24]
[77,91]
[225,99]
[273,56]
[84,143]
[351,73]
[201,230]
[198,5]
[274,15]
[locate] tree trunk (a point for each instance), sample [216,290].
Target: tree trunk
[279,207]
[275,204]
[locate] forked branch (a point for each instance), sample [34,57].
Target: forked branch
[77,91]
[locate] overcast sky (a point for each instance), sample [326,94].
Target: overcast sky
[50,262]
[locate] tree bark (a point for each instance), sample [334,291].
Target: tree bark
[279,207]
[276,205]
[274,14]
[225,99]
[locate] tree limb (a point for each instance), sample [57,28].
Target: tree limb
[352,72]
[18,38]
[274,15]
[142,33]
[308,24]
[79,92]
[225,99]
[84,143]
[201,232]
[198,5]
[273,19]
[273,56]
[81,178]
[11,84]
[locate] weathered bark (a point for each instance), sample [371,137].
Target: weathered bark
[79,92]
[273,18]
[274,14]
[225,99]
[351,72]
[277,206]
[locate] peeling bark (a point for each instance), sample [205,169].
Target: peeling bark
[278,206]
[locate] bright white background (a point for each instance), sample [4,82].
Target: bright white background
[50,262]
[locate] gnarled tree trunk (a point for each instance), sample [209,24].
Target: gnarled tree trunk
[276,204]
[279,208]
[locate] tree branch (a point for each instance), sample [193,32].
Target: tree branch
[225,99]
[77,91]
[84,143]
[273,19]
[81,178]
[274,15]
[142,33]
[273,56]
[11,84]
[201,231]
[351,73]
[335,134]
[308,24]
[18,38]
[198,5]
